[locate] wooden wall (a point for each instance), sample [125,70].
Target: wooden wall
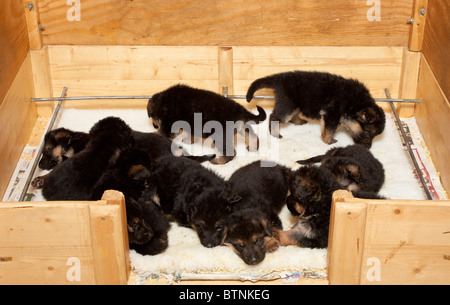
[13,42]
[225,23]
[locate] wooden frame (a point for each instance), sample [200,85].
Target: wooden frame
[106,52]
[65,242]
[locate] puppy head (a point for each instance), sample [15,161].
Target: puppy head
[346,171]
[139,232]
[57,148]
[311,190]
[135,164]
[112,131]
[366,124]
[246,231]
[206,212]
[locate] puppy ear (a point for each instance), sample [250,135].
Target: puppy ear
[354,172]
[367,116]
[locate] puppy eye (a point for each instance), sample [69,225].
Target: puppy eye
[367,133]
[238,247]
[257,241]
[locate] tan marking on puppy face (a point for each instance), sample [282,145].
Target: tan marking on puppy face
[353,126]
[135,169]
[70,153]
[57,152]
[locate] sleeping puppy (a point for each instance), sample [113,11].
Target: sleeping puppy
[60,144]
[248,230]
[354,167]
[128,175]
[74,179]
[180,104]
[147,227]
[192,195]
[312,189]
[332,99]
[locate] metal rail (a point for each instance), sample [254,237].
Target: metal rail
[41,147]
[411,154]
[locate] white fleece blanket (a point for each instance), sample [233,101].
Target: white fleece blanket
[186,258]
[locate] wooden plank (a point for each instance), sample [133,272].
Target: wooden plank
[32,16]
[346,239]
[409,241]
[418,26]
[226,23]
[17,118]
[13,43]
[432,118]
[42,79]
[409,79]
[226,70]
[436,42]
[110,237]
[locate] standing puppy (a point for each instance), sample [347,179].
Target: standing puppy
[180,103]
[74,179]
[332,99]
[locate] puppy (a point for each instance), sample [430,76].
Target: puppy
[332,99]
[74,179]
[60,144]
[248,230]
[128,175]
[147,227]
[180,103]
[354,167]
[192,195]
[311,189]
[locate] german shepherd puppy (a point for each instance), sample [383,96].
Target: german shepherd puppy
[128,175]
[192,195]
[330,98]
[312,189]
[60,144]
[74,179]
[248,230]
[147,227]
[180,103]
[354,167]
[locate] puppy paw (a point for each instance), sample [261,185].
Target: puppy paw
[38,182]
[272,245]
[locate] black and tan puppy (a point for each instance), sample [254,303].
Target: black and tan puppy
[147,227]
[60,144]
[128,175]
[354,167]
[217,117]
[311,189]
[248,230]
[74,179]
[194,196]
[330,98]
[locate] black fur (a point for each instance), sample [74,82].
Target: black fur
[147,227]
[354,167]
[311,189]
[74,179]
[181,102]
[60,144]
[128,175]
[249,228]
[193,195]
[332,99]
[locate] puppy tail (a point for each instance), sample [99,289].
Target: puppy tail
[265,82]
[261,115]
[312,160]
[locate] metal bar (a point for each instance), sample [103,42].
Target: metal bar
[146,97]
[411,154]
[41,147]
